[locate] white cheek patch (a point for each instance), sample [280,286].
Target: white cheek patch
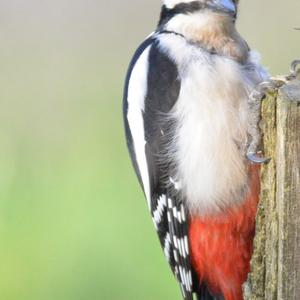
[172,3]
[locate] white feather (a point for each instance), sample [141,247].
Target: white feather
[161,205]
[211,114]
[137,90]
[182,23]
[167,246]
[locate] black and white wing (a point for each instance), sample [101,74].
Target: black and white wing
[151,90]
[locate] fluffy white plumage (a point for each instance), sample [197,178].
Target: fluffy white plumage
[211,113]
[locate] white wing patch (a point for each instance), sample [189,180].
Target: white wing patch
[186,278]
[176,217]
[158,212]
[137,89]
[167,246]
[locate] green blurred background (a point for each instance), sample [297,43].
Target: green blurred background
[73,221]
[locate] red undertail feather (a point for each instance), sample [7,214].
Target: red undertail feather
[221,246]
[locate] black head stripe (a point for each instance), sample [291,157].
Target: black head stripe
[181,8]
[189,7]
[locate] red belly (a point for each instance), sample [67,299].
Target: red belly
[221,246]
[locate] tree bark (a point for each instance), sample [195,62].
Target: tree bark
[275,265]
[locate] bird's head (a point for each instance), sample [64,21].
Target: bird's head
[210,23]
[226,6]
[172,8]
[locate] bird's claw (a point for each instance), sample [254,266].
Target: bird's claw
[295,67]
[254,158]
[294,70]
[254,106]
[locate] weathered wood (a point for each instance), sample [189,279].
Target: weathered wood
[288,191]
[275,263]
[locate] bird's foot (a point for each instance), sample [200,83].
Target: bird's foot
[255,99]
[294,70]
[256,159]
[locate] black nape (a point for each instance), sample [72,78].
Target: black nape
[165,16]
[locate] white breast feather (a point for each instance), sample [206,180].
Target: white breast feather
[211,113]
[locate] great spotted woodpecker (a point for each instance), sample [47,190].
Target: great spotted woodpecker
[186,112]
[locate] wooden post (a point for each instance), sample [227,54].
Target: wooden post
[275,265]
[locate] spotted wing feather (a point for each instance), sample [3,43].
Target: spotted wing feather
[160,86]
